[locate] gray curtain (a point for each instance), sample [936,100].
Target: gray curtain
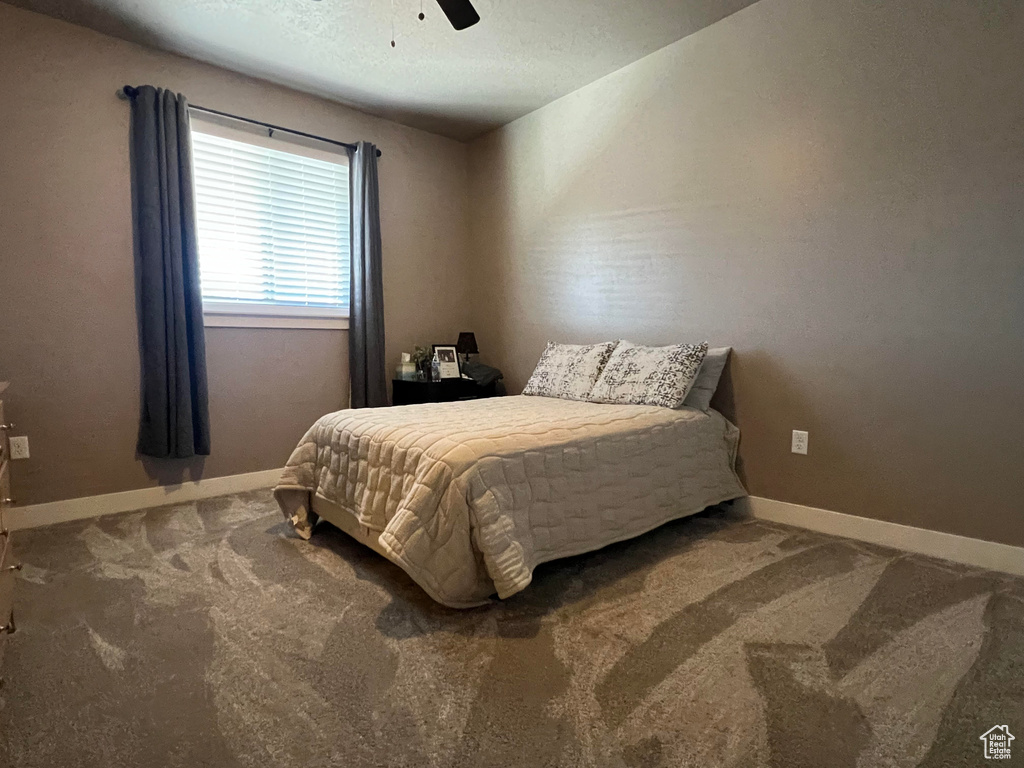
[174,421]
[366,299]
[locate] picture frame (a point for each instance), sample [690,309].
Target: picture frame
[448,357]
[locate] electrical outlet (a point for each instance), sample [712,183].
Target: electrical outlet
[799,442]
[19,447]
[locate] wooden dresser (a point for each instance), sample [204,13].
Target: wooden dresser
[7,564]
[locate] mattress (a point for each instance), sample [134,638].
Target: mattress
[469,497]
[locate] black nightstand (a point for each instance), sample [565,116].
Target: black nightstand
[444,391]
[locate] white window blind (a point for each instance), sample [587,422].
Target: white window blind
[273,228]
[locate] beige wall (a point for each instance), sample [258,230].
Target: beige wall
[67,315]
[833,187]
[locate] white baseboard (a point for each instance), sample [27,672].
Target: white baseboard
[36,515]
[960,549]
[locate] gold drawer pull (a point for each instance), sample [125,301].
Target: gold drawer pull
[8,500]
[15,567]
[10,629]
[7,427]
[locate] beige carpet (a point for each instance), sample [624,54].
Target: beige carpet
[204,635]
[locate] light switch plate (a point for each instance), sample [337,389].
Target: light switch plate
[799,442]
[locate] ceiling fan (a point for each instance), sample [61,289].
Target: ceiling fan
[460,13]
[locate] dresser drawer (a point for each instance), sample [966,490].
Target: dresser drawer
[7,579]
[5,449]
[6,557]
[4,494]
[4,483]
[5,550]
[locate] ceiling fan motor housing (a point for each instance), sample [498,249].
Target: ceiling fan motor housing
[460,13]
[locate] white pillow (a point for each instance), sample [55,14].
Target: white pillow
[707,378]
[641,375]
[569,371]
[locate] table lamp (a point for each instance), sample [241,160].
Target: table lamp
[467,345]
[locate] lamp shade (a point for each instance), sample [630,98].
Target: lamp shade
[467,344]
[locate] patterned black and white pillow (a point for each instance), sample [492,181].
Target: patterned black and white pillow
[569,371]
[638,375]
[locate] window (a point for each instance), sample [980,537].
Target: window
[273,229]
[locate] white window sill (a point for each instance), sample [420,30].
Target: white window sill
[255,316]
[263,321]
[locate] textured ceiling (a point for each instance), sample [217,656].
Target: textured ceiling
[522,55]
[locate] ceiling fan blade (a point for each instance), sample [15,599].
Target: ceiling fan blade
[460,13]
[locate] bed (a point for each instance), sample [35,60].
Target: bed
[469,497]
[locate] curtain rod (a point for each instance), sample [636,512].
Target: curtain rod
[129,91]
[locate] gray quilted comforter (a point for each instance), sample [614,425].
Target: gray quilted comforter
[470,497]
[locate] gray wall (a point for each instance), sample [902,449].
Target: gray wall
[833,187]
[67,314]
